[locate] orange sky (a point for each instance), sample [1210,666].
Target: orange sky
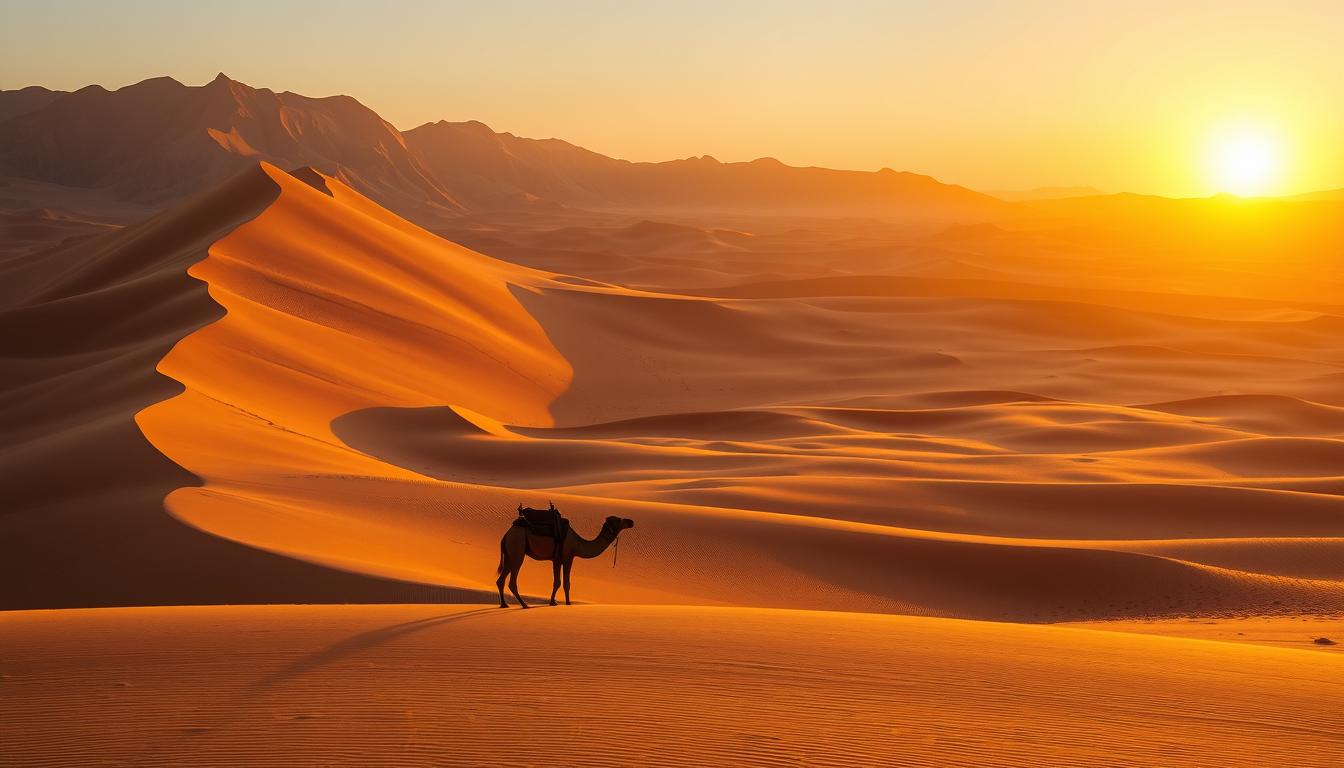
[994,95]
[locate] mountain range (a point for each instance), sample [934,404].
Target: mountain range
[158,141]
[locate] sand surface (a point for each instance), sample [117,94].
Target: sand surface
[890,419]
[638,685]
[1323,634]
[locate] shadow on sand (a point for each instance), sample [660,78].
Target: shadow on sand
[362,642]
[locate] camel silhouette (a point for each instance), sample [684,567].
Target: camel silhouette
[542,534]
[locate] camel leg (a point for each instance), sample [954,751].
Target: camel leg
[555,585]
[513,584]
[568,564]
[503,574]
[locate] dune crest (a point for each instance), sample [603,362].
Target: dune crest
[368,401]
[84,327]
[332,305]
[375,399]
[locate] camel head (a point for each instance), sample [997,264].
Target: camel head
[617,524]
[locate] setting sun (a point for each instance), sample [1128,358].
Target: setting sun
[1245,160]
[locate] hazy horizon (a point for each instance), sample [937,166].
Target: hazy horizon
[877,86]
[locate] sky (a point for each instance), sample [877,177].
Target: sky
[1136,96]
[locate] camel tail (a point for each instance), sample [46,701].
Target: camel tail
[500,569]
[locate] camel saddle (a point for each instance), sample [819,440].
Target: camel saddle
[546,523]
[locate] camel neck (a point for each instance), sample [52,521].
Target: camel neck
[592,548]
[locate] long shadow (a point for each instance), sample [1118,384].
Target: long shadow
[361,642]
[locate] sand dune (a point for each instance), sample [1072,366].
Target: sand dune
[26,231]
[83,330]
[455,685]
[362,397]
[1276,413]
[1308,633]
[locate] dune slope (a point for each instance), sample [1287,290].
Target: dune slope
[377,399]
[83,330]
[367,398]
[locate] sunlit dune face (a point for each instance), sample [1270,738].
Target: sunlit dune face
[1245,160]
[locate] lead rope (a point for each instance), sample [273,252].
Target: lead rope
[615,549]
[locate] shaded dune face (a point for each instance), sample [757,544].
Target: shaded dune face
[83,329]
[362,397]
[332,304]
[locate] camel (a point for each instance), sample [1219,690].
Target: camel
[519,542]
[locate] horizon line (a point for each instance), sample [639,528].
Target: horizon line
[1293,196]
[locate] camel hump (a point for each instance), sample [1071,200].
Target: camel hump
[542,522]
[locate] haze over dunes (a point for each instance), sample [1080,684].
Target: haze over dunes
[264,348]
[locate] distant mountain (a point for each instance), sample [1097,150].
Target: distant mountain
[492,169]
[159,140]
[25,100]
[1044,193]
[485,169]
[1328,195]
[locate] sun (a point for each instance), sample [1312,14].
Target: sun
[1245,160]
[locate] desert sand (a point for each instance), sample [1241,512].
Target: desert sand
[362,395]
[873,464]
[732,434]
[640,685]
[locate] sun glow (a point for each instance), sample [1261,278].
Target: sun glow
[1245,160]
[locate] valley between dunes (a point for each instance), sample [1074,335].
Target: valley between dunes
[280,392]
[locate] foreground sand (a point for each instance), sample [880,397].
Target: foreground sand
[636,685]
[1317,633]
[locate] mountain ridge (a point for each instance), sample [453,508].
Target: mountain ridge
[158,141]
[557,170]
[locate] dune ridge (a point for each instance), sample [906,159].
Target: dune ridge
[84,328]
[374,399]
